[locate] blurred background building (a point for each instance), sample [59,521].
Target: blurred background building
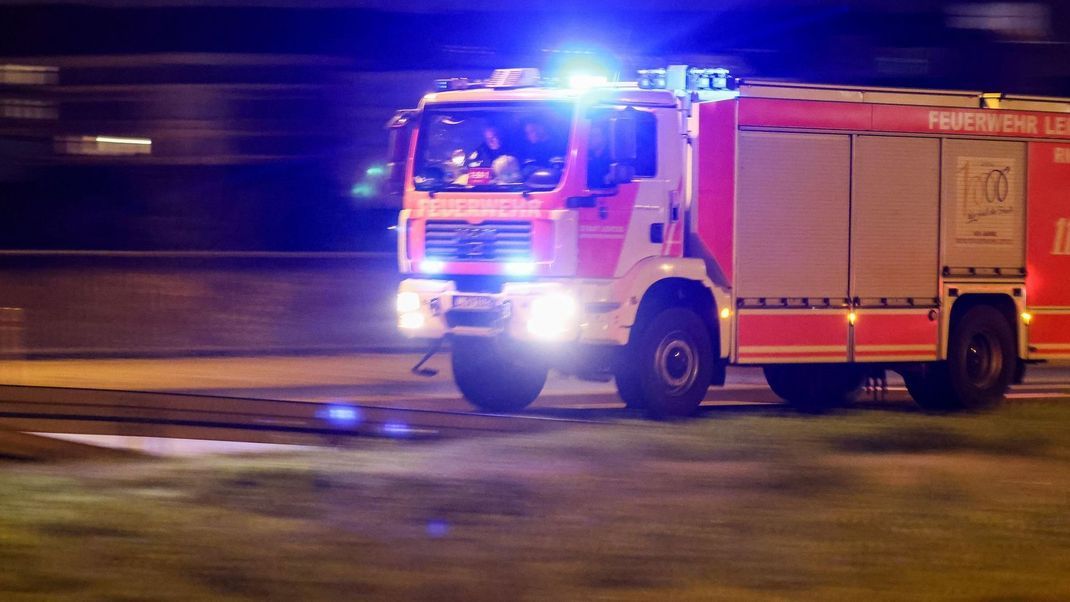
[214,125]
[203,176]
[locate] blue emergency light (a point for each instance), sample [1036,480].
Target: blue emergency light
[685,78]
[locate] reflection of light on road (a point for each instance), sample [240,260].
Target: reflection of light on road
[396,429]
[437,528]
[341,415]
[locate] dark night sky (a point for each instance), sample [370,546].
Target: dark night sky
[265,114]
[896,43]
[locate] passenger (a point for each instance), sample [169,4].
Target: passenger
[537,150]
[506,170]
[489,150]
[598,159]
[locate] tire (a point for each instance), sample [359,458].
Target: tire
[815,388]
[671,365]
[496,375]
[626,378]
[981,358]
[629,385]
[981,363]
[930,387]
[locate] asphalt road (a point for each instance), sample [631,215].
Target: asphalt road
[384,380]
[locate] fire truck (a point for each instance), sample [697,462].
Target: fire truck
[656,232]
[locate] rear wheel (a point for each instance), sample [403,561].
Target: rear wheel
[981,363]
[670,365]
[815,388]
[496,375]
[930,387]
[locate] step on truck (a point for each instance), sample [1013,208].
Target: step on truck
[655,232]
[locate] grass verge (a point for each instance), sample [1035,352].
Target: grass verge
[875,505]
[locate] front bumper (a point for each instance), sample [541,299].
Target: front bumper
[544,311]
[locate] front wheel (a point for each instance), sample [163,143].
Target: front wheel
[629,386]
[670,365]
[496,375]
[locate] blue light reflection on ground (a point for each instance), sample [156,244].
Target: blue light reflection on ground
[341,415]
[437,528]
[397,429]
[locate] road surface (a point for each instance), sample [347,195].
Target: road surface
[385,380]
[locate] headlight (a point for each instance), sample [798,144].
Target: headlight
[408,301]
[411,321]
[552,316]
[432,266]
[519,268]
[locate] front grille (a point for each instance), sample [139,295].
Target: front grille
[487,241]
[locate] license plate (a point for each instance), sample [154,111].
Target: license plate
[474,302]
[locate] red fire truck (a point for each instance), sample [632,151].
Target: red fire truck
[660,230]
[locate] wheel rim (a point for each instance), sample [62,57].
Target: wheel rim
[676,362]
[984,362]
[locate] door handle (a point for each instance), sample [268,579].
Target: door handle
[657,233]
[580,202]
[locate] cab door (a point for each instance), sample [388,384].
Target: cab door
[623,221]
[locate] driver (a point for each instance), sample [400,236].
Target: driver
[536,150]
[488,150]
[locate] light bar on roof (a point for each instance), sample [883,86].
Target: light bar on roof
[513,78]
[453,83]
[652,79]
[686,79]
[707,79]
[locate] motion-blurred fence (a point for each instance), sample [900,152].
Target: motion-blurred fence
[129,304]
[11,332]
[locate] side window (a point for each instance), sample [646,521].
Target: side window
[646,145]
[598,159]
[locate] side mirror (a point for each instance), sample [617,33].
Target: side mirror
[395,178]
[430,178]
[400,127]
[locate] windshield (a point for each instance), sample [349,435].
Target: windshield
[512,146]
